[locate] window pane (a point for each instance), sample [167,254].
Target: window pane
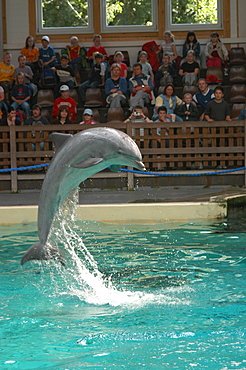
[194,11]
[129,13]
[65,13]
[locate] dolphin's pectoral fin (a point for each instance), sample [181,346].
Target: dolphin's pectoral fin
[88,162]
[38,252]
[59,139]
[115,168]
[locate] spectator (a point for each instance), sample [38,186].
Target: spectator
[141,88]
[203,96]
[21,95]
[97,77]
[63,116]
[169,100]
[3,106]
[138,116]
[36,118]
[28,74]
[118,57]
[116,88]
[215,51]
[188,110]
[65,74]
[168,46]
[65,99]
[87,118]
[242,114]
[76,56]
[189,70]
[11,118]
[47,55]
[97,48]
[166,73]
[31,52]
[7,71]
[217,109]
[191,43]
[146,67]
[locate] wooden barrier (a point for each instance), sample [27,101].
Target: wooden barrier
[178,145]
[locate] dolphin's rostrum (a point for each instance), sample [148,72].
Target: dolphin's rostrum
[77,157]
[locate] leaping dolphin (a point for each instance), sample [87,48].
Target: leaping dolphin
[77,157]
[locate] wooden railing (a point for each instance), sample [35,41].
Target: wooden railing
[178,145]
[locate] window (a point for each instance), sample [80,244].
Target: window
[129,16]
[207,14]
[68,16]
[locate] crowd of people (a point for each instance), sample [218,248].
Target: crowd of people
[19,85]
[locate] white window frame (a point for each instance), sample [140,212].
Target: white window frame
[197,26]
[131,28]
[62,30]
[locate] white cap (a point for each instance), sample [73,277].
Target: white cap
[88,111]
[46,38]
[64,88]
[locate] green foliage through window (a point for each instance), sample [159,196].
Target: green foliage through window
[129,12]
[194,11]
[65,13]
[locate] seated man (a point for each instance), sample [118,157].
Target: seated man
[35,120]
[7,74]
[116,88]
[65,99]
[141,88]
[203,96]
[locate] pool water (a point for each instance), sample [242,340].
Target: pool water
[168,296]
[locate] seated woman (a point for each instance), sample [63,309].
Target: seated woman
[170,101]
[215,51]
[11,118]
[31,52]
[189,70]
[63,116]
[191,43]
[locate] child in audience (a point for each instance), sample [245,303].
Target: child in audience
[63,116]
[87,117]
[47,55]
[21,95]
[65,74]
[97,77]
[118,57]
[217,109]
[168,46]
[97,48]
[215,51]
[76,56]
[7,71]
[189,70]
[28,74]
[191,43]
[11,118]
[188,110]
[65,99]
[166,73]
[31,52]
[146,67]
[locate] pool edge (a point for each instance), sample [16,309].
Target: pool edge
[127,213]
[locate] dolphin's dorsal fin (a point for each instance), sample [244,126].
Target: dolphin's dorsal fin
[88,162]
[59,139]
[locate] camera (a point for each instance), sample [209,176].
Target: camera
[137,114]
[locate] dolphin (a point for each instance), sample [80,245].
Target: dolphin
[76,158]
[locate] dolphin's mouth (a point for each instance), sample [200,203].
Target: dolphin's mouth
[138,164]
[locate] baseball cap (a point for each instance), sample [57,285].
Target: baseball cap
[46,38]
[88,111]
[64,88]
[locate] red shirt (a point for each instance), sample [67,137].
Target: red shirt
[93,49]
[123,67]
[70,103]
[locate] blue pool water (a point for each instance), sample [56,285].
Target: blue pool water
[168,296]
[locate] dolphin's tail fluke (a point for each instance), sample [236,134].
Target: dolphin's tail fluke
[39,252]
